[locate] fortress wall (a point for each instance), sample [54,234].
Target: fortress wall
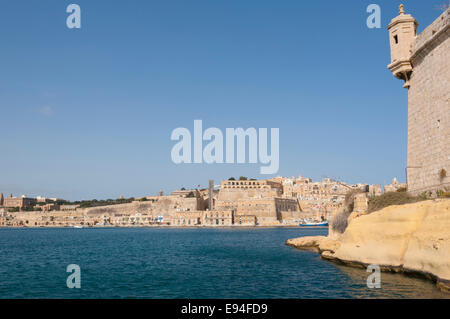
[429,109]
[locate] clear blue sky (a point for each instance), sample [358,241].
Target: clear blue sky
[88,113]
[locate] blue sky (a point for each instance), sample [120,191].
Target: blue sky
[88,113]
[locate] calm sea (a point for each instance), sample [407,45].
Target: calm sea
[183,263]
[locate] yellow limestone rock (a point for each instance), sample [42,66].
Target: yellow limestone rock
[429,247]
[308,242]
[413,237]
[316,243]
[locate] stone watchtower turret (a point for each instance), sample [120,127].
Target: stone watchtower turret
[402,33]
[422,61]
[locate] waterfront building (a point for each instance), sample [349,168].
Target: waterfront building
[219,218]
[245,220]
[193,218]
[268,211]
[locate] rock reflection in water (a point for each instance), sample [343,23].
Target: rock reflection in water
[398,285]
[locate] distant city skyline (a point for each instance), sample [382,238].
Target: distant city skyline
[88,113]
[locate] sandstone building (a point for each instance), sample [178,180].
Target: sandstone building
[422,62]
[257,202]
[218,218]
[318,200]
[18,202]
[395,186]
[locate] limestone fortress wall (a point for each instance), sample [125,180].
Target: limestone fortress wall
[422,61]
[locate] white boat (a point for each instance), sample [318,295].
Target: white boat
[76,226]
[307,223]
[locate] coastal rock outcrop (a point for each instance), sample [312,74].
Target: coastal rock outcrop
[411,238]
[319,244]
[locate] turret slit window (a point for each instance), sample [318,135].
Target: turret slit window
[396,39]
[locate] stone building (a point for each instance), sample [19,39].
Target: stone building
[235,190]
[360,203]
[317,199]
[256,202]
[375,190]
[245,220]
[394,186]
[422,62]
[268,211]
[194,218]
[218,218]
[18,202]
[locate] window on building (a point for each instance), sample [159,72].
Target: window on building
[396,39]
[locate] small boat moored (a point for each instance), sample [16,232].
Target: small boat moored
[313,224]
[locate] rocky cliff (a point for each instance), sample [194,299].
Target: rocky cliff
[407,238]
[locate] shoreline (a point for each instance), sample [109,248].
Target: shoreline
[325,254]
[160,226]
[412,239]
[442,284]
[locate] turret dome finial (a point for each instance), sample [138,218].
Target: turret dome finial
[402,9]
